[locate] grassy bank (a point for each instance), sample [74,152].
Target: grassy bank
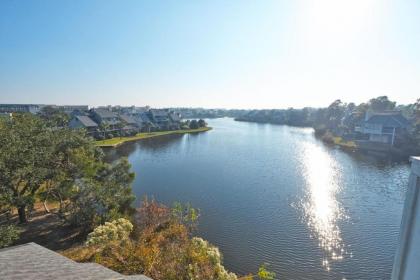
[114,142]
[345,144]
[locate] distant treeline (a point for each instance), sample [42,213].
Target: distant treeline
[340,119]
[201,113]
[337,114]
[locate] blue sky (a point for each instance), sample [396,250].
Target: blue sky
[231,54]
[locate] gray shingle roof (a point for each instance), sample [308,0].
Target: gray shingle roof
[86,121]
[104,113]
[32,261]
[390,120]
[175,117]
[128,119]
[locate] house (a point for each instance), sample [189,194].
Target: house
[83,122]
[32,261]
[145,123]
[384,127]
[130,123]
[106,118]
[69,109]
[175,120]
[160,118]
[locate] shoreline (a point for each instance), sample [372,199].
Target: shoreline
[117,141]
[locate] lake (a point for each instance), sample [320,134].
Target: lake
[275,194]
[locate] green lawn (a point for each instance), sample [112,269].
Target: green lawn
[114,142]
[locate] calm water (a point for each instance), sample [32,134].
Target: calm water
[276,194]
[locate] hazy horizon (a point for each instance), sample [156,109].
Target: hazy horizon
[210,54]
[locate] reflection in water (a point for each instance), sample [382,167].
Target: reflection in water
[153,144]
[321,207]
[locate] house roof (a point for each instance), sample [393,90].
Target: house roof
[128,119]
[86,121]
[32,261]
[104,113]
[144,117]
[159,112]
[389,119]
[175,116]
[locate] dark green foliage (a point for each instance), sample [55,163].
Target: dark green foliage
[61,165]
[26,152]
[8,235]
[201,123]
[194,124]
[54,117]
[381,104]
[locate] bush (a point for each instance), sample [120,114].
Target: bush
[117,230]
[328,137]
[109,136]
[8,235]
[160,247]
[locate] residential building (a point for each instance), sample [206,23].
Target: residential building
[83,122]
[106,118]
[21,108]
[130,123]
[160,117]
[384,127]
[68,109]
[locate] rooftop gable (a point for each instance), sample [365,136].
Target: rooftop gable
[389,119]
[86,121]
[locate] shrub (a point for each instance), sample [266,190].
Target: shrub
[328,137]
[109,136]
[8,235]
[117,230]
[161,247]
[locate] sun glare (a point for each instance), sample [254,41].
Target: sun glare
[322,210]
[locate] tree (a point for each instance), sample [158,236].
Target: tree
[193,124]
[335,113]
[100,195]
[54,117]
[62,165]
[202,123]
[26,150]
[381,104]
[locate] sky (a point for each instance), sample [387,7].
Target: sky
[211,54]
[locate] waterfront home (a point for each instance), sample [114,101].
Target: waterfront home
[83,122]
[160,117]
[130,123]
[145,123]
[384,128]
[175,119]
[106,118]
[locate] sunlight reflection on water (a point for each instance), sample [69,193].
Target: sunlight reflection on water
[322,210]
